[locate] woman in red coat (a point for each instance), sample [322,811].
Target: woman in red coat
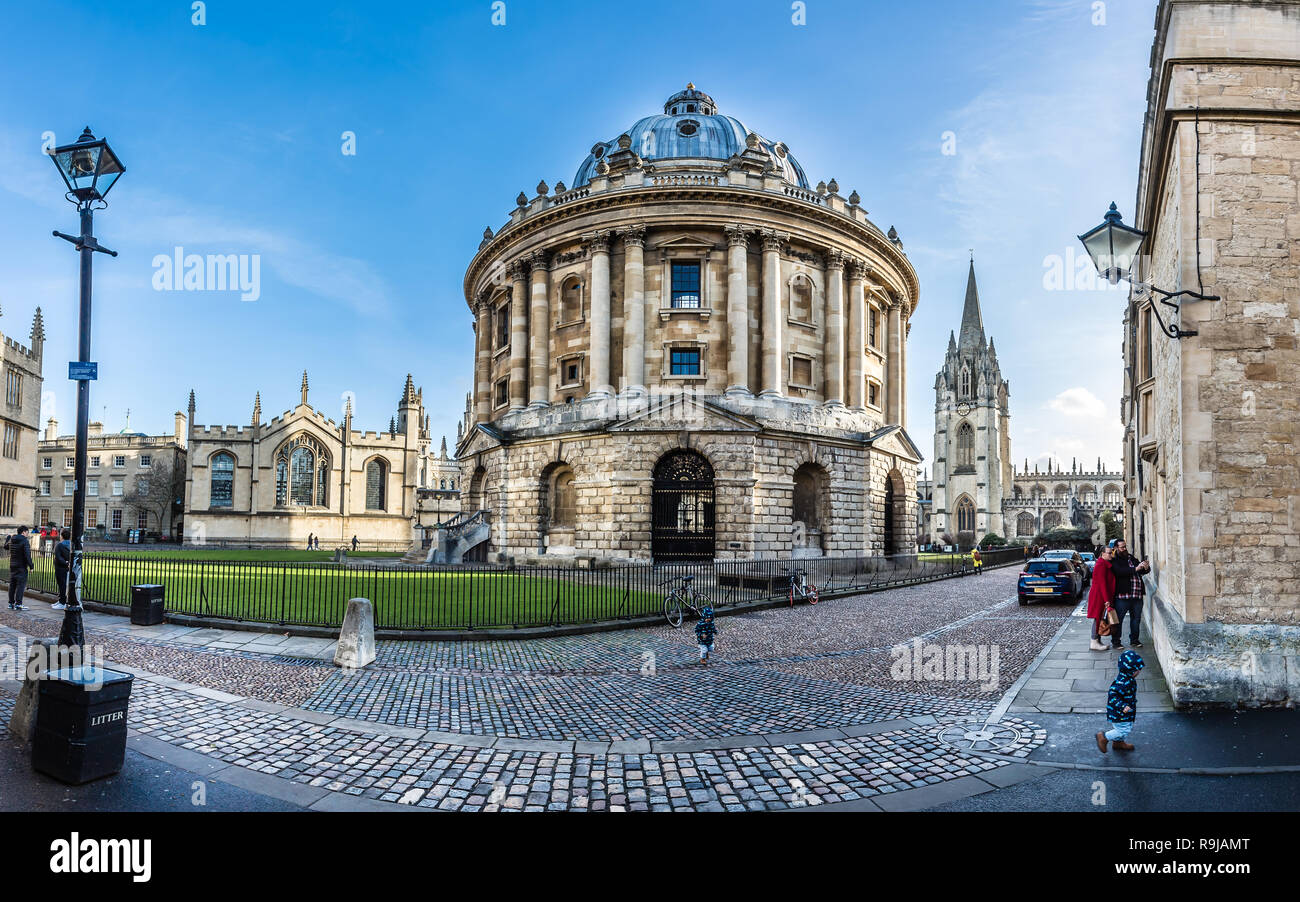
[1101,595]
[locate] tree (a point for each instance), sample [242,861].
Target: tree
[1113,529]
[947,539]
[965,540]
[992,539]
[160,493]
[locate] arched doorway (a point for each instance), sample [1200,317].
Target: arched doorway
[895,525]
[683,506]
[807,510]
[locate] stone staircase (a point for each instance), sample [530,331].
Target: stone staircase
[456,537]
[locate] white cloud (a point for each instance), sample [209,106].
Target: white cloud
[1078,402]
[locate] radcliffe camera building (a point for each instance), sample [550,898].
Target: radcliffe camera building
[690,352]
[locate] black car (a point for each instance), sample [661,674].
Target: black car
[1044,578]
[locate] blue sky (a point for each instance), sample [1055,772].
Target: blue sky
[231,133]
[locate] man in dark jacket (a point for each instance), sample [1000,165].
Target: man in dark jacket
[62,562]
[20,562]
[1128,594]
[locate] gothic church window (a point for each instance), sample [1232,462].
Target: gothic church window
[965,445]
[222,491]
[375,485]
[965,515]
[964,383]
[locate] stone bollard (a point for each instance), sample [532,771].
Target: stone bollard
[356,646]
[22,724]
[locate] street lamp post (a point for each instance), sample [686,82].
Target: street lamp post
[89,168]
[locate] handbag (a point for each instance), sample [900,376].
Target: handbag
[1112,616]
[1103,628]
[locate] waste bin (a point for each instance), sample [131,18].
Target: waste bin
[81,724]
[146,605]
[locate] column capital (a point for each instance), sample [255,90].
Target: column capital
[772,239]
[858,269]
[482,303]
[633,236]
[517,270]
[835,258]
[597,242]
[737,235]
[539,261]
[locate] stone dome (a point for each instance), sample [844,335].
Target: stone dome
[691,128]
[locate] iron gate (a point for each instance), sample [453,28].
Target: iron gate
[683,506]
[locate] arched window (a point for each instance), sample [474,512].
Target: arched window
[965,515]
[963,389]
[1062,492]
[222,492]
[564,499]
[1051,520]
[1025,525]
[376,483]
[965,445]
[801,299]
[302,473]
[444,483]
[571,300]
[1113,494]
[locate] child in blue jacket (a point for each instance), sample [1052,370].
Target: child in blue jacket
[705,630]
[1121,703]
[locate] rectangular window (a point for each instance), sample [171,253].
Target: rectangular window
[873,321]
[117,519]
[45,487]
[142,486]
[119,460]
[69,462]
[686,285]
[142,520]
[92,517]
[502,394]
[503,326]
[571,371]
[13,388]
[92,487]
[117,486]
[45,517]
[67,518]
[11,441]
[94,461]
[1144,344]
[685,362]
[67,486]
[47,463]
[6,502]
[146,461]
[800,371]
[873,394]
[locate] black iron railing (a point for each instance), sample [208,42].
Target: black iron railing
[481,596]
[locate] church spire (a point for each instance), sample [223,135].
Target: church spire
[972,324]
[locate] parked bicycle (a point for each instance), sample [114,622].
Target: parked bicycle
[681,598]
[802,589]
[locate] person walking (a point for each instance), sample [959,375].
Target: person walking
[309,538]
[977,560]
[354,544]
[705,632]
[1101,596]
[20,564]
[62,564]
[1121,704]
[1129,590]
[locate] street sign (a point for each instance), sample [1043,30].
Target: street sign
[79,371]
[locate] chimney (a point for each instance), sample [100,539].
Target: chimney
[180,428]
[96,429]
[51,429]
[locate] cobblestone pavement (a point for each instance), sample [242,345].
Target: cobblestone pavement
[799,709]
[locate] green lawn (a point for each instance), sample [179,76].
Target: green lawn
[317,593]
[241,554]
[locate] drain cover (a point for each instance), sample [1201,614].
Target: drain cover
[979,737]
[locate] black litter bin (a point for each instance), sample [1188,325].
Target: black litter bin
[146,605]
[81,724]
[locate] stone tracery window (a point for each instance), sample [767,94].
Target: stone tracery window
[964,383]
[376,484]
[222,492]
[302,468]
[965,515]
[965,445]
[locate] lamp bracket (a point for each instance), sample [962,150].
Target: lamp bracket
[84,243]
[1167,298]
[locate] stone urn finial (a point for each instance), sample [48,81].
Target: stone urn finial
[487,234]
[602,168]
[559,188]
[751,141]
[855,199]
[625,142]
[821,187]
[834,186]
[542,188]
[522,199]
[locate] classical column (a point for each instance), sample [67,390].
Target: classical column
[598,383]
[834,327]
[773,346]
[539,332]
[902,361]
[857,336]
[518,335]
[634,309]
[894,349]
[482,360]
[737,310]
